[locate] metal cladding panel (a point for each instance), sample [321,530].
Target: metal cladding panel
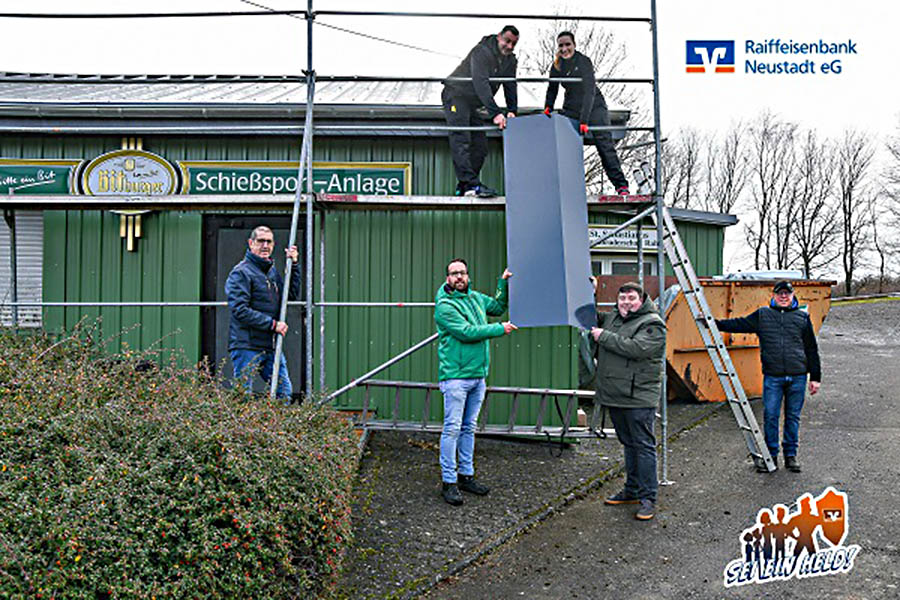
[546,224]
[85,260]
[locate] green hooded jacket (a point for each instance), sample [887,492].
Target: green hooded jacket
[463,347]
[629,357]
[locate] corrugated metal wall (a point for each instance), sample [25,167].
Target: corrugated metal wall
[86,260]
[373,255]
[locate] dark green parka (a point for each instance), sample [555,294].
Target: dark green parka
[629,357]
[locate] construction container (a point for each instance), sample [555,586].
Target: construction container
[689,368]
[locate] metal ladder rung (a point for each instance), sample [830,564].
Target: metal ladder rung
[718,352]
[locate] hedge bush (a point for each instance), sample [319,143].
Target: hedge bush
[122,479]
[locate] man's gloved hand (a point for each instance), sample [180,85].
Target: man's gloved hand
[583,129]
[547,111]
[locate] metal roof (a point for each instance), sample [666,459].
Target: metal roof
[78,102]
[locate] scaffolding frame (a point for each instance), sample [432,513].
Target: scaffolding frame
[309,130]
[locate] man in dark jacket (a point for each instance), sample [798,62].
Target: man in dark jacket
[491,57]
[630,342]
[253,289]
[584,102]
[788,350]
[460,314]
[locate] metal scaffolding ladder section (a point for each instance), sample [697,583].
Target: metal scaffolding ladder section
[712,339]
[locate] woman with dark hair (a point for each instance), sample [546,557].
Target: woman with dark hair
[584,102]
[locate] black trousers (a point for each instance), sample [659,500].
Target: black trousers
[634,428]
[468,148]
[604,143]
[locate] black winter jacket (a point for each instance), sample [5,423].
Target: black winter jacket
[787,342]
[482,62]
[580,95]
[253,289]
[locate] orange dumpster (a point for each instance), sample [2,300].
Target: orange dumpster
[689,369]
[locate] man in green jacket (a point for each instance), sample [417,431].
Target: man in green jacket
[463,360]
[630,342]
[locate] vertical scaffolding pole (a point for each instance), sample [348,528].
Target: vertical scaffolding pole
[640,254]
[305,152]
[660,255]
[321,308]
[311,78]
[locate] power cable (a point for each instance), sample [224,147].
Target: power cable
[358,33]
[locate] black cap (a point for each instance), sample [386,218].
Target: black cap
[783,285]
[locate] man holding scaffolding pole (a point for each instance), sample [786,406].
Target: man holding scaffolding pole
[491,57]
[463,361]
[253,289]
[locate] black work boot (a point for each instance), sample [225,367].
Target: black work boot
[451,494]
[760,464]
[467,483]
[791,464]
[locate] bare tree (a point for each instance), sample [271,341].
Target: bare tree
[817,223]
[609,57]
[854,157]
[772,165]
[683,165]
[726,171]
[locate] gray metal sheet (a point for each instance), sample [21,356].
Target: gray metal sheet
[546,224]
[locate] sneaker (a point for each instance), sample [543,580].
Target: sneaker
[621,498]
[760,464]
[623,190]
[481,190]
[467,483]
[791,464]
[646,511]
[451,494]
[460,189]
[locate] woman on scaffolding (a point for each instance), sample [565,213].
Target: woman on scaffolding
[584,102]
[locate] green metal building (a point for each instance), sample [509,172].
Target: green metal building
[60,136]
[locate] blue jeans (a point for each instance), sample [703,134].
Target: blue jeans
[248,362]
[462,402]
[634,428]
[792,389]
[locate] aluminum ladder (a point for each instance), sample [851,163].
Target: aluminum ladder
[712,339]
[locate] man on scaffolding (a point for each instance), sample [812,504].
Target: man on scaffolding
[491,57]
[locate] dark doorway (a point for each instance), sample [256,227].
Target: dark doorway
[224,245]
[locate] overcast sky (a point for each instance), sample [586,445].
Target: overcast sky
[861,96]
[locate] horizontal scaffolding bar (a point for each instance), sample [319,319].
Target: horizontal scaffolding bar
[149,15]
[517,430]
[422,385]
[128,304]
[148,79]
[378,304]
[204,129]
[336,201]
[375,13]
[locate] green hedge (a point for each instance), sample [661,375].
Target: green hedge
[121,479]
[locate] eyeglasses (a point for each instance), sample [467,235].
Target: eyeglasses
[457,273]
[264,242]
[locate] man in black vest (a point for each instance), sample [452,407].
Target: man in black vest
[788,350]
[491,57]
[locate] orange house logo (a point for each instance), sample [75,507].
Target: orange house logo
[807,541]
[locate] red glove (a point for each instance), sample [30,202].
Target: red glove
[583,128]
[547,111]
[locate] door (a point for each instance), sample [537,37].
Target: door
[225,242]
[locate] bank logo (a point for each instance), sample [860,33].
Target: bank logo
[805,542]
[710,55]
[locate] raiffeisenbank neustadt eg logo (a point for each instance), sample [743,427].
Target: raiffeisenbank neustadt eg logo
[710,56]
[805,542]
[770,56]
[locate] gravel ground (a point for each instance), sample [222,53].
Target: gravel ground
[544,531]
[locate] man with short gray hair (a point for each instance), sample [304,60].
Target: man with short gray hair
[254,289]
